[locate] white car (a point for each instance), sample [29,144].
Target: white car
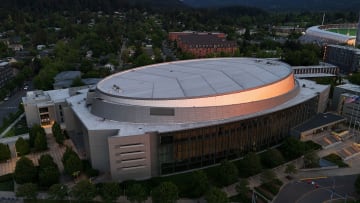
[6,98]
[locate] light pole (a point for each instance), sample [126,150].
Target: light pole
[253,198]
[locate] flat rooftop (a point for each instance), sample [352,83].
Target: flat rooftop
[194,78]
[320,120]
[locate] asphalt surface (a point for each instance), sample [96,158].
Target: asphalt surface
[10,106]
[338,187]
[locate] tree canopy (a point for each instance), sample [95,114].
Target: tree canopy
[84,190]
[166,192]
[250,165]
[58,192]
[110,191]
[272,158]
[49,173]
[58,134]
[215,195]
[228,173]
[136,193]
[40,143]
[5,153]
[22,146]
[199,183]
[25,171]
[27,190]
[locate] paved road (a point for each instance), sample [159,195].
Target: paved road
[10,106]
[337,187]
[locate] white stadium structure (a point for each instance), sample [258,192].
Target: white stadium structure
[321,34]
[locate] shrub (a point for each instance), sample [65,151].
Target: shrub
[334,158]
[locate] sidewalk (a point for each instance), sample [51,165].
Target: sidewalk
[9,197]
[255,181]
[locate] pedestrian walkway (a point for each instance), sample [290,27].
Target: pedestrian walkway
[255,181]
[9,197]
[54,150]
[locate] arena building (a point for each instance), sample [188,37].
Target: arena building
[178,116]
[332,34]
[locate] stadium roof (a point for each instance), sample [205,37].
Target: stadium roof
[194,78]
[316,31]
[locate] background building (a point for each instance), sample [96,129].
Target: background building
[346,58]
[173,117]
[322,70]
[349,89]
[331,34]
[203,44]
[6,73]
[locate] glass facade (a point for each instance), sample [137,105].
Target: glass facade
[200,147]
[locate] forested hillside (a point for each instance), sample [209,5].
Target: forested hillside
[80,5]
[313,5]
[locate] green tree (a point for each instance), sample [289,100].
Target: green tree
[110,191]
[271,158]
[84,190]
[33,133]
[136,193]
[22,146]
[267,176]
[49,173]
[25,171]
[60,138]
[49,176]
[5,153]
[166,192]
[77,82]
[68,152]
[73,165]
[58,191]
[199,183]
[142,60]
[243,187]
[45,161]
[311,160]
[250,165]
[40,143]
[27,191]
[228,173]
[55,129]
[215,195]
[290,169]
[292,148]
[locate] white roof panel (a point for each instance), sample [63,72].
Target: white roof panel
[194,78]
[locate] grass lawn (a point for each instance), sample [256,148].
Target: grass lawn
[243,198]
[334,158]
[344,31]
[19,129]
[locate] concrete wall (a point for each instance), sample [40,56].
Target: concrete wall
[323,100]
[133,157]
[142,114]
[98,148]
[337,94]
[32,114]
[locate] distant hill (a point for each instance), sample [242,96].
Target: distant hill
[95,5]
[313,5]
